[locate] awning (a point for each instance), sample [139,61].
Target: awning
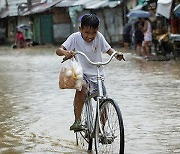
[164,1]
[164,8]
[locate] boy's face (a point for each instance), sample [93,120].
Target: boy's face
[88,33]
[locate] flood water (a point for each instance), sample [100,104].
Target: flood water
[35,114]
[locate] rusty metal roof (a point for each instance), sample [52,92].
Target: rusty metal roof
[96,4]
[66,3]
[89,4]
[41,7]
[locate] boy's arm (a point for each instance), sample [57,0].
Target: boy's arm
[62,51]
[118,56]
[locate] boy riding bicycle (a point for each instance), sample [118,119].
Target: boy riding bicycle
[90,41]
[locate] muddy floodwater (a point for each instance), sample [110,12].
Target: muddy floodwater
[35,114]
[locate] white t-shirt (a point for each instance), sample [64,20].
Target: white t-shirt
[93,50]
[148,33]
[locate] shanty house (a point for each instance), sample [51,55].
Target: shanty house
[52,21]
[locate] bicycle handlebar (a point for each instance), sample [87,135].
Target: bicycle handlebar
[97,63]
[93,63]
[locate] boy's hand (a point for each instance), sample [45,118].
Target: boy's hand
[119,56]
[68,55]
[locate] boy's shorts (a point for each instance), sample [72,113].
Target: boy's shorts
[92,85]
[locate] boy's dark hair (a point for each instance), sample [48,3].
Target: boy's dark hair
[90,20]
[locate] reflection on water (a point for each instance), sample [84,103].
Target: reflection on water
[35,115]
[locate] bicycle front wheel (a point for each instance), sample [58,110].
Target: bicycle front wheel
[109,132]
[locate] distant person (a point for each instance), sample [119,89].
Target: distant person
[127,36]
[139,38]
[20,40]
[147,30]
[28,37]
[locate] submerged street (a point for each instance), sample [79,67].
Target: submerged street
[35,114]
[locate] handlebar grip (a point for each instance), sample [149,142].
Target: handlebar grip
[64,59]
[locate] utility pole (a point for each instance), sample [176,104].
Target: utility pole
[124,11]
[29,4]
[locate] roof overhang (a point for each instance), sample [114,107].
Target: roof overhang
[89,4]
[86,4]
[164,8]
[96,4]
[41,8]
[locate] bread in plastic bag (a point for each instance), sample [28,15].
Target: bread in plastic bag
[71,75]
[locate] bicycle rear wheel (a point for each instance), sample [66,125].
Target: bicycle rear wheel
[84,138]
[109,135]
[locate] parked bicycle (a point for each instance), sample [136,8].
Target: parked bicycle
[101,119]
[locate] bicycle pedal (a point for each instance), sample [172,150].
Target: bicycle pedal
[79,130]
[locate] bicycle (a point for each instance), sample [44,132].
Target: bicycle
[101,119]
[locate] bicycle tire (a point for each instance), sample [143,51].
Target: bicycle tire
[84,138]
[111,140]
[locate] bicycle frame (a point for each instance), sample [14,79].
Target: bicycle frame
[100,95]
[98,64]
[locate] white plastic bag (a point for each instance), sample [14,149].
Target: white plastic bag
[71,75]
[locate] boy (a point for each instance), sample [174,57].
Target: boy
[90,41]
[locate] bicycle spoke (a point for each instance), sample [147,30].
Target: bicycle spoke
[111,140]
[84,138]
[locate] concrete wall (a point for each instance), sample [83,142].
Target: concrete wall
[62,24]
[111,24]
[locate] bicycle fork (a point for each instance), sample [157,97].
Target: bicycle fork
[99,98]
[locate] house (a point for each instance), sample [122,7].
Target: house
[41,17]
[110,14]
[9,17]
[13,15]
[52,21]
[3,21]
[60,20]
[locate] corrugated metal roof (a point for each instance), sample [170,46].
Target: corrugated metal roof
[41,7]
[81,2]
[96,4]
[66,3]
[89,4]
